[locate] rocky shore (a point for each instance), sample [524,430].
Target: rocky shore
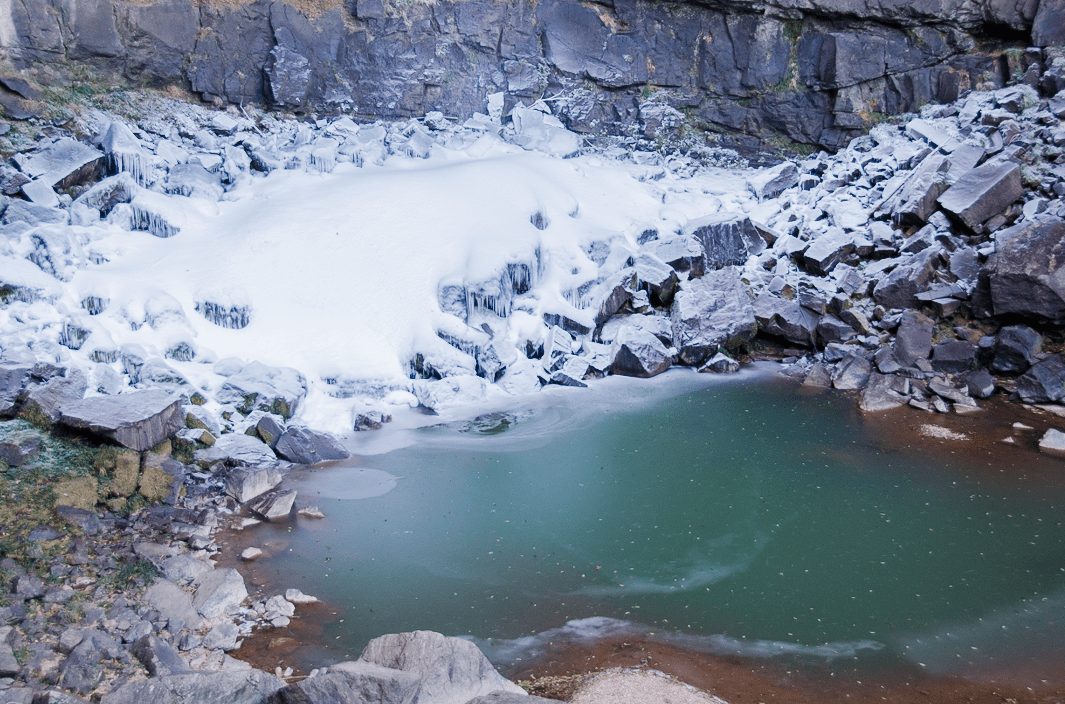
[919,266]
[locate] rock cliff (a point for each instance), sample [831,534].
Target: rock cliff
[746,74]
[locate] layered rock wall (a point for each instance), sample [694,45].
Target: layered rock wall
[815,72]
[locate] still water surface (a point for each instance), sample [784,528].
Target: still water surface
[736,516]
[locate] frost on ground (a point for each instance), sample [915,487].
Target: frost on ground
[366,257]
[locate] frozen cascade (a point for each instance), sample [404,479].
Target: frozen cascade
[72,336]
[135,217]
[125,153]
[94,304]
[233,317]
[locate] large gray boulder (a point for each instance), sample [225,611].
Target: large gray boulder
[450,670]
[1015,349]
[708,313]
[638,353]
[245,483]
[913,340]
[786,319]
[236,449]
[159,657]
[727,238]
[1044,382]
[770,183]
[139,420]
[355,682]
[305,446]
[225,687]
[828,250]
[275,506]
[884,392]
[916,201]
[277,390]
[174,604]
[13,381]
[47,400]
[1027,273]
[911,276]
[982,193]
[219,593]
[852,373]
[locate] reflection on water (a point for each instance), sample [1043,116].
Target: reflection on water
[726,516]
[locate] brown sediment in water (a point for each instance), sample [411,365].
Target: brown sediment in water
[742,680]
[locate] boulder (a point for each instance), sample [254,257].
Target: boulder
[173,603]
[727,238]
[614,293]
[785,319]
[161,479]
[682,252]
[449,670]
[159,657]
[47,400]
[916,200]
[277,390]
[305,446]
[913,340]
[219,593]
[979,383]
[269,430]
[638,353]
[223,687]
[1027,272]
[960,397]
[20,447]
[236,449]
[275,506]
[828,250]
[982,193]
[1015,349]
[832,329]
[852,373]
[721,363]
[770,183]
[657,278]
[13,381]
[1044,382]
[139,420]
[64,163]
[451,391]
[1052,442]
[371,420]
[572,372]
[710,312]
[883,393]
[954,357]
[352,683]
[819,377]
[911,276]
[245,483]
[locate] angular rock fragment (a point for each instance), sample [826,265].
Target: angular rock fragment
[139,420]
[721,363]
[954,357]
[828,250]
[1027,272]
[305,446]
[1015,349]
[913,341]
[638,353]
[236,449]
[1044,382]
[274,506]
[983,193]
[883,393]
[219,593]
[852,373]
[770,183]
[710,312]
[786,319]
[1053,442]
[727,238]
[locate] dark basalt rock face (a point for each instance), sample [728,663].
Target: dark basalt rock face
[742,69]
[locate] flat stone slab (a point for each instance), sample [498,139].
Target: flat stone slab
[983,192]
[139,421]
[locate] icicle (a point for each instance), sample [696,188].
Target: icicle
[94,304]
[124,152]
[234,317]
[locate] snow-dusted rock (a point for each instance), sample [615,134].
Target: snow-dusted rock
[638,353]
[449,670]
[305,446]
[452,391]
[721,363]
[139,420]
[770,183]
[727,238]
[236,449]
[708,312]
[278,390]
[245,483]
[274,506]
[1053,442]
[787,319]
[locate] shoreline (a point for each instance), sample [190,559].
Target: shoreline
[736,678]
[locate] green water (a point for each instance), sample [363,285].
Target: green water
[729,516]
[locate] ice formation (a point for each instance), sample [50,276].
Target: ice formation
[368,257]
